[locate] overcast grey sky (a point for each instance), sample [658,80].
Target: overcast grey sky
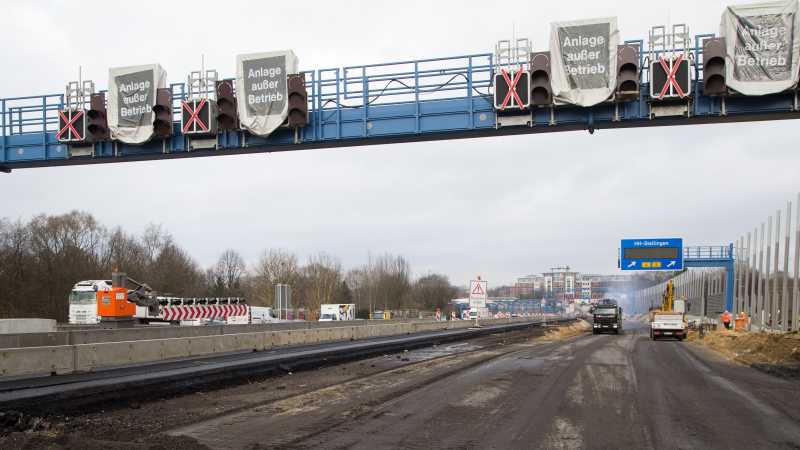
[502,207]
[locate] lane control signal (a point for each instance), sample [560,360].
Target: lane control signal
[162,113]
[511,90]
[298,100]
[227,115]
[97,128]
[670,77]
[198,116]
[541,88]
[714,83]
[628,72]
[71,125]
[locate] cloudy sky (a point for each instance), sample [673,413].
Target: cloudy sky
[501,207]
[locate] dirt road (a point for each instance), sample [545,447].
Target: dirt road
[518,390]
[587,392]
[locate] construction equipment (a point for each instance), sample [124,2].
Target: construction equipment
[118,304]
[668,297]
[128,301]
[670,320]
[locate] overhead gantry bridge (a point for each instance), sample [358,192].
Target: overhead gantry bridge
[406,101]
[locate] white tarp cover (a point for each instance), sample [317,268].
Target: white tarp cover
[261,89]
[583,56]
[762,46]
[131,95]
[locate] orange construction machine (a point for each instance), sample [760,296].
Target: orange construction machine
[118,304]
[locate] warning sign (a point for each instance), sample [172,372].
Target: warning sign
[477,293]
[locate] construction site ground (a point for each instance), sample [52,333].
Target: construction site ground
[565,389]
[777,353]
[142,425]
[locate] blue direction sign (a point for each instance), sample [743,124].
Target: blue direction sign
[651,254]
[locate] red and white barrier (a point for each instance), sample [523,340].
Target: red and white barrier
[203,312]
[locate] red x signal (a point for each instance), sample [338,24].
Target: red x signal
[512,88]
[671,81]
[70,125]
[194,116]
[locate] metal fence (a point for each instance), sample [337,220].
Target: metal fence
[766,276]
[767,269]
[703,290]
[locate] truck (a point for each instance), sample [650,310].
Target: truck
[333,311]
[607,316]
[669,324]
[142,305]
[670,320]
[83,301]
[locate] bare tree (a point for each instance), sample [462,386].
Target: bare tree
[384,283]
[433,291]
[322,274]
[275,266]
[227,274]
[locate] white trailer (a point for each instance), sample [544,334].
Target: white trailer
[331,312]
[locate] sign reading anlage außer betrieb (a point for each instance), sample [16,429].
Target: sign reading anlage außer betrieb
[762,46]
[584,56]
[131,95]
[261,89]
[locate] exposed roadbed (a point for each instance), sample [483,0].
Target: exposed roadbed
[515,390]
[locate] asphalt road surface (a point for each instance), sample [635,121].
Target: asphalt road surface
[602,392]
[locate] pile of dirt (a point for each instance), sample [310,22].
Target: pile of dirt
[566,331]
[771,352]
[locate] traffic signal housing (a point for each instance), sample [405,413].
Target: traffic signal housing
[512,91]
[97,123]
[628,72]
[71,125]
[198,116]
[541,88]
[714,83]
[227,115]
[670,77]
[298,100]
[162,113]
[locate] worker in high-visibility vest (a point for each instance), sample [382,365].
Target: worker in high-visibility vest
[726,320]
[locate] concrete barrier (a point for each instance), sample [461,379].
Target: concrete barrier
[19,340]
[91,336]
[88,357]
[8,326]
[37,360]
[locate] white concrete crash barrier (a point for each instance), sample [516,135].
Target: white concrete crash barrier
[62,359]
[37,360]
[8,326]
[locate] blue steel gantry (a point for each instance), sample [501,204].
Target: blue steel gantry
[422,100]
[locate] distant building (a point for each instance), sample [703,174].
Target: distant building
[563,284]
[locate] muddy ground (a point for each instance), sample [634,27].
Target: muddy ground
[135,425]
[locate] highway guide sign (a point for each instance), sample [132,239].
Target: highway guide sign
[651,254]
